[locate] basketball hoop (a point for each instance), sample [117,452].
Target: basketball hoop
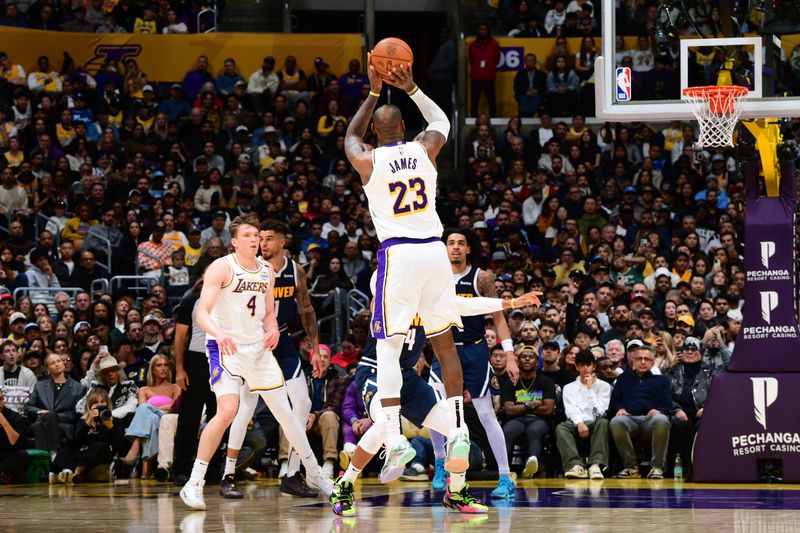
[717,109]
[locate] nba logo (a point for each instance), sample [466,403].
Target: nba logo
[623,84]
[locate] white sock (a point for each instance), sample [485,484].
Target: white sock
[392,415]
[349,448]
[294,463]
[198,472]
[230,466]
[351,474]
[456,404]
[457,481]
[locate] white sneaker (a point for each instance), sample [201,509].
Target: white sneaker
[52,478]
[192,495]
[327,469]
[398,453]
[576,472]
[65,476]
[595,472]
[531,467]
[284,469]
[193,522]
[316,480]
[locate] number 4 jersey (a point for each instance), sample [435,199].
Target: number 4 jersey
[402,192]
[241,303]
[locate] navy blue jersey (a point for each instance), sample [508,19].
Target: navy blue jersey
[474,328]
[412,347]
[284,291]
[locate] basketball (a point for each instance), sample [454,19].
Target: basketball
[391,52]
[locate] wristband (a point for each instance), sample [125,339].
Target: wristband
[376,95]
[507,344]
[412,91]
[512,303]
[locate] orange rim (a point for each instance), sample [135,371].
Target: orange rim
[721,98]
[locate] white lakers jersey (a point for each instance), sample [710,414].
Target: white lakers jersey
[402,192]
[241,305]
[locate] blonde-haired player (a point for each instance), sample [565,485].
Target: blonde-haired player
[237,311]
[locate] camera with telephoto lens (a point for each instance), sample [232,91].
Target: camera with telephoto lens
[105,412]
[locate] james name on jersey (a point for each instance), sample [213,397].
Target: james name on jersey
[404,163]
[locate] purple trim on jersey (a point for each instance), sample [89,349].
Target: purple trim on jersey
[393,144]
[406,240]
[378,323]
[215,367]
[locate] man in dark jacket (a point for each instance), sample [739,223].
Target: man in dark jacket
[86,271]
[52,405]
[327,393]
[689,380]
[641,403]
[530,86]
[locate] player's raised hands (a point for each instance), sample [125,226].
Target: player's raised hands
[400,76]
[375,81]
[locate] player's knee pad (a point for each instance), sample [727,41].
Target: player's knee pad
[372,440]
[390,377]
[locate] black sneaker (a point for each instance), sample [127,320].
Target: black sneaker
[163,474]
[229,489]
[296,486]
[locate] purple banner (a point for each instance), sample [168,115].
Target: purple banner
[752,411]
[748,417]
[768,340]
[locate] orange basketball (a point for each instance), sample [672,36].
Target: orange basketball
[391,52]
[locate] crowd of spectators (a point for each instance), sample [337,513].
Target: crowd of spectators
[109,16]
[637,251]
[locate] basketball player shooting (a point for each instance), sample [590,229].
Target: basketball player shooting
[237,311]
[414,274]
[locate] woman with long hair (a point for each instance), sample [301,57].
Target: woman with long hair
[46,329]
[665,351]
[562,87]
[127,249]
[98,439]
[155,400]
[567,359]
[548,217]
[62,332]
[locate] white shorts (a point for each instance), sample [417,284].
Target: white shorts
[414,277]
[252,366]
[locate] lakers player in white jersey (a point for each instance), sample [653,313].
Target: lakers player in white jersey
[237,311]
[414,275]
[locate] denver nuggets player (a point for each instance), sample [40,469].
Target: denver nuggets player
[420,404]
[472,282]
[413,273]
[237,312]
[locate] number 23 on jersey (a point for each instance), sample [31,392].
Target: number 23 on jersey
[404,206]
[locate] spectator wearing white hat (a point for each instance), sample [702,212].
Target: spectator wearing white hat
[106,373]
[16,323]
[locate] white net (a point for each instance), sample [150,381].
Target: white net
[717,109]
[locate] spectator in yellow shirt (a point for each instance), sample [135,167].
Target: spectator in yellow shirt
[146,24]
[78,226]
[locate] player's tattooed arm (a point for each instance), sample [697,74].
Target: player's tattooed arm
[357,151]
[486,288]
[307,315]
